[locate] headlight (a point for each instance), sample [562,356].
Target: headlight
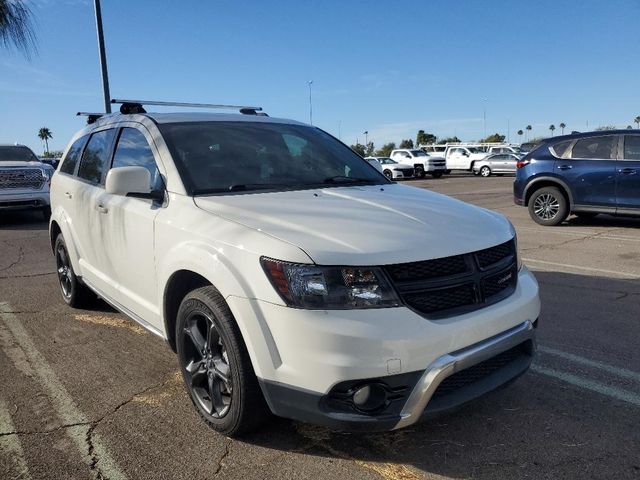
[330,288]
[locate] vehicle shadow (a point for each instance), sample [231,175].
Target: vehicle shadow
[537,427]
[23,220]
[604,221]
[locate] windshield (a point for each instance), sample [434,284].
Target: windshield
[418,153]
[17,154]
[476,150]
[223,157]
[387,161]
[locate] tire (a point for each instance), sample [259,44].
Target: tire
[485,171]
[419,172]
[216,367]
[74,293]
[388,174]
[437,174]
[548,206]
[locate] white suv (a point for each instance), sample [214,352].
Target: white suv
[287,274]
[24,180]
[422,162]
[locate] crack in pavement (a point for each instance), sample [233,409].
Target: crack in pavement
[17,261]
[5,277]
[227,448]
[554,246]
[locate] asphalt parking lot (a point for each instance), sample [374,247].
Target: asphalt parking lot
[89,394]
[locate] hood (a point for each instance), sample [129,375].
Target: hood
[23,165]
[368,225]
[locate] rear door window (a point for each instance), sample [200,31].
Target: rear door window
[95,156]
[73,155]
[597,148]
[632,147]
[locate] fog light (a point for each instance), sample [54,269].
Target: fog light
[370,397]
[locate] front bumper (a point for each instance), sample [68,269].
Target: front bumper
[304,354]
[24,200]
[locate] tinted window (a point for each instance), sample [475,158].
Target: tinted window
[94,158]
[595,147]
[134,151]
[632,147]
[560,148]
[73,155]
[217,157]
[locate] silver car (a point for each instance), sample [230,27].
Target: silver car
[497,164]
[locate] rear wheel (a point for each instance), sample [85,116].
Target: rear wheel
[548,206]
[74,293]
[215,364]
[485,171]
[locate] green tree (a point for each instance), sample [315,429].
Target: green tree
[637,120]
[369,149]
[562,127]
[495,138]
[44,134]
[520,132]
[629,127]
[423,138]
[552,127]
[406,143]
[449,140]
[359,149]
[385,150]
[16,27]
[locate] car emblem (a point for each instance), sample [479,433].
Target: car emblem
[506,278]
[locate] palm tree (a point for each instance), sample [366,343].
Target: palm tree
[45,134]
[562,127]
[528,129]
[16,28]
[520,132]
[637,120]
[552,127]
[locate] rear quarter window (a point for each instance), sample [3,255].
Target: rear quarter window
[69,162]
[560,148]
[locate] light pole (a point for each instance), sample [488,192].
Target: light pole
[103,57]
[484,117]
[310,82]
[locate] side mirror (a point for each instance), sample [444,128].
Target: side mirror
[131,182]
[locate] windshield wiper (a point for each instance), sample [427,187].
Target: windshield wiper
[345,179]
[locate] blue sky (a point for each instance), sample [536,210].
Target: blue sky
[389,67]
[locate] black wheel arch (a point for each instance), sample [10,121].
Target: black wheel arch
[541,182]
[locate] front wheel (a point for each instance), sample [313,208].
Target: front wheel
[485,171]
[548,206]
[388,174]
[215,364]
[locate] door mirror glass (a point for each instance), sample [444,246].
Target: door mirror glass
[126,180]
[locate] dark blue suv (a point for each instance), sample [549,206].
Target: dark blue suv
[582,174]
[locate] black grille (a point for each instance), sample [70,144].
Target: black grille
[445,299]
[479,371]
[457,284]
[493,255]
[440,267]
[407,171]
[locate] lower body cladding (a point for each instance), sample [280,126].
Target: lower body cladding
[383,369]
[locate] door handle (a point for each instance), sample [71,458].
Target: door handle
[627,171]
[565,167]
[102,209]
[68,195]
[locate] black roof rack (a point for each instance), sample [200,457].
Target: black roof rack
[91,116]
[137,106]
